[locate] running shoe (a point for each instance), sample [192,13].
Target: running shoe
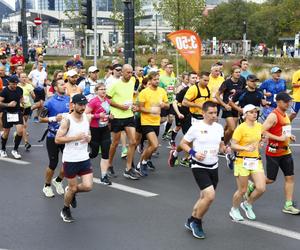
[47,190]
[124,152]
[185,163]
[235,214]
[3,154]
[58,186]
[248,210]
[291,210]
[230,160]
[197,230]
[16,154]
[144,169]
[27,146]
[250,189]
[66,215]
[130,174]
[105,180]
[166,136]
[155,154]
[151,166]
[172,144]
[140,148]
[138,170]
[188,224]
[172,159]
[111,172]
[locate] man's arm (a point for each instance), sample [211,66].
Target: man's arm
[269,123]
[61,137]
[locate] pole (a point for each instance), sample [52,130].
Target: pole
[129,52]
[245,39]
[95,33]
[24,30]
[156,33]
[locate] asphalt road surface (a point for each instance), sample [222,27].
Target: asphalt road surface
[136,215]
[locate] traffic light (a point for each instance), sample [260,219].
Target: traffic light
[86,14]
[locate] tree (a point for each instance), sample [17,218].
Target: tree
[182,14]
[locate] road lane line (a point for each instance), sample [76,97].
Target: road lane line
[22,146]
[295,145]
[20,162]
[295,128]
[273,229]
[128,189]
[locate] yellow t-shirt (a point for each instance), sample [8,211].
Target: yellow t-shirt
[214,84]
[162,72]
[245,135]
[296,91]
[27,89]
[192,94]
[152,99]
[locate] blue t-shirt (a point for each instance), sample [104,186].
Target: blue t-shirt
[273,87]
[245,74]
[56,105]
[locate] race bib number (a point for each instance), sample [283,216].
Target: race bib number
[26,99]
[287,130]
[250,163]
[170,89]
[12,117]
[77,145]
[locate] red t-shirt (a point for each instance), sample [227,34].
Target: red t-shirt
[97,106]
[20,60]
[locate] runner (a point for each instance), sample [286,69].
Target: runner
[244,68]
[277,128]
[151,65]
[99,107]
[74,132]
[10,99]
[246,141]
[206,138]
[53,111]
[151,100]
[88,85]
[296,95]
[121,95]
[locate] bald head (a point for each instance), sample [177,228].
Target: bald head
[127,71]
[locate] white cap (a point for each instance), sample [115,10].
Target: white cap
[92,69]
[249,107]
[72,73]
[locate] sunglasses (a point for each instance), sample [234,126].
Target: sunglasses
[118,70]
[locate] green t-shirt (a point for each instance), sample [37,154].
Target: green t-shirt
[122,93]
[27,89]
[168,84]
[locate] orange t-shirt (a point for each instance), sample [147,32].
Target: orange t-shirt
[1,85]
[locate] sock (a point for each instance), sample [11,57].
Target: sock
[103,174]
[288,203]
[18,139]
[168,126]
[65,207]
[175,153]
[3,142]
[198,221]
[251,187]
[47,185]
[58,179]
[173,135]
[144,162]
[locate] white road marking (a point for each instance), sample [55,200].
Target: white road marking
[22,146]
[296,129]
[20,162]
[128,189]
[273,229]
[295,145]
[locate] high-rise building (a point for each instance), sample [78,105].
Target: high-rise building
[29,4]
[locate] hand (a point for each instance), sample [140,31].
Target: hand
[268,94]
[124,107]
[180,116]
[250,148]
[227,150]
[135,108]
[200,156]
[81,137]
[282,138]
[59,117]
[293,138]
[12,104]
[227,107]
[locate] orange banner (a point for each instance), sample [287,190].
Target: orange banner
[188,43]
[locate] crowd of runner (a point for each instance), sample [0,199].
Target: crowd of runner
[87,117]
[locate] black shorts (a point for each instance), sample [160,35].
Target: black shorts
[118,125]
[26,111]
[206,177]
[53,150]
[100,137]
[146,129]
[166,112]
[285,163]
[184,123]
[39,95]
[138,126]
[72,169]
[7,124]
[232,113]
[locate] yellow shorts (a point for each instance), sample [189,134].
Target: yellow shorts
[240,170]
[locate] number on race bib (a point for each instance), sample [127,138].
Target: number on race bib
[12,117]
[250,163]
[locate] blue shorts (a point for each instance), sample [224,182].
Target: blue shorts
[295,107]
[72,169]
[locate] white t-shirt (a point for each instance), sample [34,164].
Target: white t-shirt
[206,139]
[110,80]
[38,78]
[91,93]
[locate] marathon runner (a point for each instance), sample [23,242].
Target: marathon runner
[296,95]
[88,85]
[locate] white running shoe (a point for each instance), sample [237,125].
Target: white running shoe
[16,154]
[3,154]
[48,191]
[58,186]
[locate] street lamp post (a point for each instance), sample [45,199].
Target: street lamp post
[24,30]
[129,30]
[245,38]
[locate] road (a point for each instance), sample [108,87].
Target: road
[110,219]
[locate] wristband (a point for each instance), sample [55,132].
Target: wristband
[52,119]
[96,116]
[192,152]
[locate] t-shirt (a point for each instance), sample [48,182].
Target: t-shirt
[163,72]
[122,93]
[1,84]
[245,135]
[20,60]
[88,88]
[12,95]
[179,98]
[38,78]
[27,89]
[152,99]
[214,84]
[192,95]
[110,80]
[5,81]
[245,74]
[7,68]
[168,84]
[273,87]
[98,106]
[296,91]
[228,87]
[245,97]
[206,139]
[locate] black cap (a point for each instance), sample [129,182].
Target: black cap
[3,56]
[252,78]
[79,99]
[117,65]
[283,96]
[13,79]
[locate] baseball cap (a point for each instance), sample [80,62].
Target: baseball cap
[13,79]
[93,69]
[283,96]
[72,73]
[275,70]
[117,65]
[79,99]
[252,78]
[249,107]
